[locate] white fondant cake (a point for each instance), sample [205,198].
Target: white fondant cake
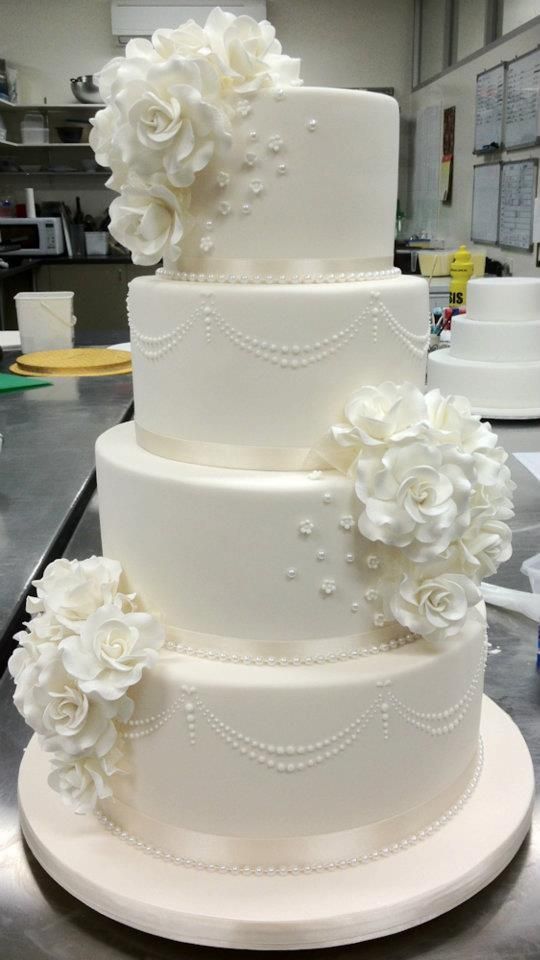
[278,666]
[494,357]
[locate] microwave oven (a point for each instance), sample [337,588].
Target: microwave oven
[34,236]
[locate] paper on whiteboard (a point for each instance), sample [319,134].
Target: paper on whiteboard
[531,461]
[488,126]
[536,221]
[485,210]
[522,101]
[518,192]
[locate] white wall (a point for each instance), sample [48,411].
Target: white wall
[457,88]
[349,43]
[341,42]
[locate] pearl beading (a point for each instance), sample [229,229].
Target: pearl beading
[306,661]
[269,278]
[297,758]
[286,356]
[287,870]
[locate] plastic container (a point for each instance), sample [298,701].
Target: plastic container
[34,128]
[45,320]
[97,243]
[435,263]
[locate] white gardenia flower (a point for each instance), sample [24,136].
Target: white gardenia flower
[486,544]
[377,415]
[112,650]
[248,52]
[416,497]
[105,124]
[150,219]
[82,781]
[71,590]
[76,723]
[187,40]
[170,121]
[37,670]
[434,607]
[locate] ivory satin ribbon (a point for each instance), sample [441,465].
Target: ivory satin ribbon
[277,268]
[273,851]
[203,644]
[229,455]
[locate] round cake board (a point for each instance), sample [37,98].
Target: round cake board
[290,912]
[495,413]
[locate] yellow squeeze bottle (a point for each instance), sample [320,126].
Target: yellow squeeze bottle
[461,271]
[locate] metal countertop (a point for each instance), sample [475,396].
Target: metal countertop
[47,473]
[39,920]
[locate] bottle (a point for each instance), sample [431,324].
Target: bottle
[461,271]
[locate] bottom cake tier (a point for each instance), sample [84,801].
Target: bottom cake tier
[231,763]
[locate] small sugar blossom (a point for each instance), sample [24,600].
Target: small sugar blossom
[275,143]
[222,179]
[373,562]
[328,587]
[306,528]
[256,187]
[224,208]
[243,108]
[206,244]
[347,522]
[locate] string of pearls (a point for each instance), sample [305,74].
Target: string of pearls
[286,356]
[293,758]
[269,278]
[451,718]
[318,659]
[285,870]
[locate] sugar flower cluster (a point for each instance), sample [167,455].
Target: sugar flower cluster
[169,106]
[434,493]
[84,646]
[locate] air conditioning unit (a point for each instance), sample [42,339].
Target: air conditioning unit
[139,18]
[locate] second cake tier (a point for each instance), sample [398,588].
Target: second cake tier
[253,375]
[259,563]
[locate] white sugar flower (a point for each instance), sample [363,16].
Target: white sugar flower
[82,781]
[169,120]
[206,244]
[306,528]
[484,545]
[76,723]
[150,220]
[71,590]
[36,669]
[377,415]
[248,53]
[434,607]
[275,143]
[187,40]
[417,498]
[112,651]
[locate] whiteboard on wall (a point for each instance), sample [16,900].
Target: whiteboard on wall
[522,102]
[518,192]
[485,205]
[427,164]
[488,125]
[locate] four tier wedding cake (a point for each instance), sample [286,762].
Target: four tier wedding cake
[277,666]
[494,357]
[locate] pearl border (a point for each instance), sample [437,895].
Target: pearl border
[284,870]
[352,277]
[223,656]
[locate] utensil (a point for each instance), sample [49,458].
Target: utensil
[85,89]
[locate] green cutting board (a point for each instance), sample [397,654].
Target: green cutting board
[10,381]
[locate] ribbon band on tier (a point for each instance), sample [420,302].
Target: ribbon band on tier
[280,270]
[287,652]
[207,848]
[232,456]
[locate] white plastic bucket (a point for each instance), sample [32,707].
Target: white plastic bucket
[45,320]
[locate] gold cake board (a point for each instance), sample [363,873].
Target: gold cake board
[292,912]
[77,362]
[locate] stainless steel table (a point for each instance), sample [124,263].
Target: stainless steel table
[47,474]
[39,920]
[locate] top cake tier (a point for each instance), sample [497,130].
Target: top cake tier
[310,175]
[504,299]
